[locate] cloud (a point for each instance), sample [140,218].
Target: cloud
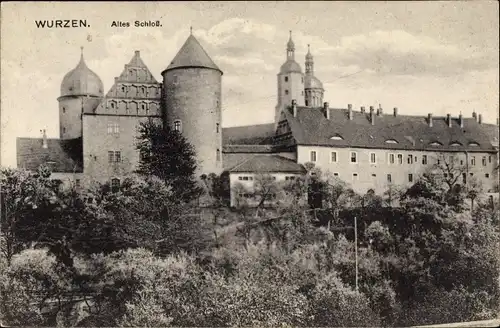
[399,52]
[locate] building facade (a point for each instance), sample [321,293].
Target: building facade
[368,149]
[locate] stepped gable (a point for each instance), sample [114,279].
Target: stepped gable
[62,156]
[190,55]
[135,92]
[311,127]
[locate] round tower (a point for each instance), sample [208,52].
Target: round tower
[81,91]
[312,85]
[192,101]
[290,81]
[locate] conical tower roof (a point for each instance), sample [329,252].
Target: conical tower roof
[192,54]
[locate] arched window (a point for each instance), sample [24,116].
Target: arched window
[115,185]
[64,109]
[178,125]
[286,78]
[286,92]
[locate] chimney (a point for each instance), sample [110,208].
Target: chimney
[429,119]
[294,108]
[474,115]
[349,111]
[116,79]
[362,109]
[480,119]
[372,116]
[137,53]
[380,111]
[395,111]
[326,110]
[448,120]
[461,120]
[44,140]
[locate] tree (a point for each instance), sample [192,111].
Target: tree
[24,194]
[166,154]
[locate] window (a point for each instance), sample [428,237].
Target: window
[143,90]
[302,80]
[335,174]
[389,178]
[290,178]
[286,78]
[391,158]
[354,157]
[217,127]
[435,143]
[410,177]
[123,88]
[337,137]
[245,178]
[400,158]
[178,125]
[410,159]
[489,159]
[373,158]
[115,185]
[374,175]
[473,144]
[484,160]
[307,103]
[218,155]
[334,157]
[112,105]
[464,178]
[64,109]
[114,156]
[286,92]
[64,130]
[176,79]
[354,177]
[313,156]
[471,174]
[473,160]
[455,144]
[113,128]
[77,183]
[486,175]
[391,141]
[424,159]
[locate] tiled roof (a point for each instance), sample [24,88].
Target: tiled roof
[247,149]
[192,54]
[248,135]
[268,164]
[311,127]
[60,155]
[492,132]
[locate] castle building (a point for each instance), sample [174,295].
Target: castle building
[368,149]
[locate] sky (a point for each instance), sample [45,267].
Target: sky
[422,57]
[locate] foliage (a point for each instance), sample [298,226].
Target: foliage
[166,154]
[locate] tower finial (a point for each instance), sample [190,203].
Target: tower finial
[308,48]
[191,30]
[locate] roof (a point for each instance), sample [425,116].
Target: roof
[312,82]
[64,156]
[249,135]
[492,132]
[247,149]
[311,127]
[81,81]
[290,66]
[192,54]
[268,164]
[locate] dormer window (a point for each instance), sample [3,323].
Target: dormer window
[391,141]
[435,143]
[337,137]
[455,144]
[473,144]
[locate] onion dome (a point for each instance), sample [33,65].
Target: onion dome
[290,45]
[312,82]
[81,81]
[309,56]
[290,66]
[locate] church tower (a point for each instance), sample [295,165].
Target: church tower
[290,81]
[312,85]
[81,91]
[192,103]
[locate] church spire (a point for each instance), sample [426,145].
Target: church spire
[309,61]
[290,48]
